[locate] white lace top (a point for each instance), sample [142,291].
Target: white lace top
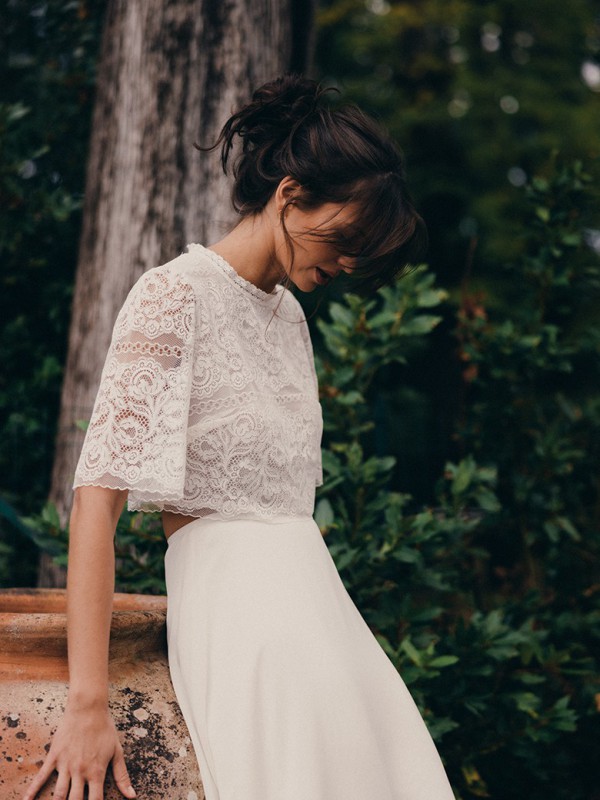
[204,408]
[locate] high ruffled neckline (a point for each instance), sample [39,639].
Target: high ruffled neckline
[235,276]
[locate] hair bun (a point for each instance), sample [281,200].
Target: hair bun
[274,115]
[290,96]
[278,108]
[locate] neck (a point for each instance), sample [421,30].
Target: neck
[249,248]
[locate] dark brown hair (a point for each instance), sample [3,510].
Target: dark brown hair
[338,155]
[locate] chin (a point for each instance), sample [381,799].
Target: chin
[305,285]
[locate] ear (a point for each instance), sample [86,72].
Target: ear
[288,187]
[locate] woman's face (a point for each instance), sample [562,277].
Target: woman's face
[315,262]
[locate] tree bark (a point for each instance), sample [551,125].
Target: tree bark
[170,73]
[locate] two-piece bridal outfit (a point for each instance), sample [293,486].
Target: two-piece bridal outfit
[208,406]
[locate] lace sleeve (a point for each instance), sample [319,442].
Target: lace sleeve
[305,332]
[136,438]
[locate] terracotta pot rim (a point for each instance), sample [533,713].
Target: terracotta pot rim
[21,601]
[33,624]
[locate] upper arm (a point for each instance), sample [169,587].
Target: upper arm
[99,500]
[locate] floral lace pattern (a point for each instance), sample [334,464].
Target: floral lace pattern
[208,399]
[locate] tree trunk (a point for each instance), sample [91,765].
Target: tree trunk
[170,73]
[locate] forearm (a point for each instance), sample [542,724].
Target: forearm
[90,587]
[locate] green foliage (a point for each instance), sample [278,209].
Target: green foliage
[532,403]
[487,599]
[47,66]
[139,550]
[139,545]
[47,69]
[367,335]
[478,94]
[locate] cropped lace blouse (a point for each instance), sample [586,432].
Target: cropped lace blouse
[208,403]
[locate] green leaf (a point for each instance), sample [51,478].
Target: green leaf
[324,516]
[568,527]
[527,702]
[487,500]
[332,465]
[411,651]
[424,323]
[431,297]
[10,514]
[385,317]
[463,476]
[543,213]
[406,555]
[346,558]
[342,315]
[443,661]
[50,515]
[16,112]
[351,398]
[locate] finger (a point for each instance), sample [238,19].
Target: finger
[61,790]
[95,782]
[77,784]
[121,775]
[96,790]
[40,779]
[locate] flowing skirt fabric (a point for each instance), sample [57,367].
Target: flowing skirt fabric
[285,690]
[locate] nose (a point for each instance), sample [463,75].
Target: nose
[345,264]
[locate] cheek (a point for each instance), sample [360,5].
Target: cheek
[326,254]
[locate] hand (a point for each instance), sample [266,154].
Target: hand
[84,744]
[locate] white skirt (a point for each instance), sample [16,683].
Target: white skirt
[285,690]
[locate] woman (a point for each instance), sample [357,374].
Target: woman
[208,412]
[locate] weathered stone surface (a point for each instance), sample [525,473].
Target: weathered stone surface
[33,688]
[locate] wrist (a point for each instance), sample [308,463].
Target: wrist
[86,699]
